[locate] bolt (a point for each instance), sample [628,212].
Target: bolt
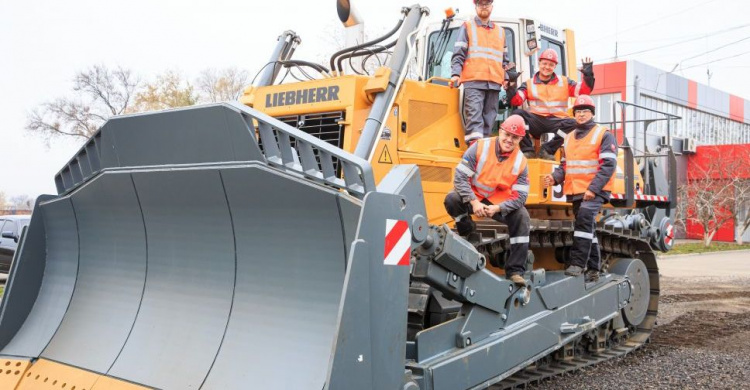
[510,288]
[471,293]
[468,341]
[504,317]
[455,277]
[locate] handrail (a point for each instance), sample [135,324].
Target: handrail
[294,150]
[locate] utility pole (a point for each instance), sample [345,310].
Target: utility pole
[709,74]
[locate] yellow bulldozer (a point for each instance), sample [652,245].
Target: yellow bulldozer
[297,239]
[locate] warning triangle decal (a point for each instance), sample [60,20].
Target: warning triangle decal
[385,156]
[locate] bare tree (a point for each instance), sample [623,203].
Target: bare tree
[741,208]
[169,90]
[3,201]
[221,85]
[98,93]
[716,192]
[22,202]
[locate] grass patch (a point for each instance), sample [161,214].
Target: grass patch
[697,247]
[2,290]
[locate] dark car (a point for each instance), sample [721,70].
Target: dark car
[11,227]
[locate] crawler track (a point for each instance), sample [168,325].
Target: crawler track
[615,243]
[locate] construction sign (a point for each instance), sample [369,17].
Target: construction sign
[385,156]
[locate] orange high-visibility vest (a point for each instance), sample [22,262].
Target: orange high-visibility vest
[582,160]
[484,57]
[548,99]
[495,180]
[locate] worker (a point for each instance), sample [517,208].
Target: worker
[547,94]
[479,62]
[492,180]
[587,171]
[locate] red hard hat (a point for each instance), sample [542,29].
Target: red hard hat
[583,102]
[549,54]
[515,125]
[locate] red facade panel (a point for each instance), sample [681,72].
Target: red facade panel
[692,94]
[736,108]
[705,156]
[611,78]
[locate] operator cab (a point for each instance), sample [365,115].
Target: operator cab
[524,39]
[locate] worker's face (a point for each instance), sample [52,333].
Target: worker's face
[484,8]
[583,115]
[546,68]
[508,141]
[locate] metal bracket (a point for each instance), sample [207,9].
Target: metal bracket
[587,323]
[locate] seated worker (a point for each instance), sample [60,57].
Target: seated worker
[587,172]
[492,180]
[547,95]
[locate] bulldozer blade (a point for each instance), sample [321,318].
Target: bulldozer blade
[172,259]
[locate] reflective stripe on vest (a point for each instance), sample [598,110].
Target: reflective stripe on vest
[484,57]
[582,160]
[548,99]
[495,180]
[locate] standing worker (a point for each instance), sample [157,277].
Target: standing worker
[547,94]
[587,172]
[479,62]
[492,180]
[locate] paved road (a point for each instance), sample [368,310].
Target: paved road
[735,263]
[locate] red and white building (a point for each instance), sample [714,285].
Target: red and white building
[710,119]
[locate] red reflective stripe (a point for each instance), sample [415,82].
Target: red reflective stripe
[392,238]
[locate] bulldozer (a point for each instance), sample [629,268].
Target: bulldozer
[296,239]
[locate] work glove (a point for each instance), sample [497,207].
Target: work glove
[588,67]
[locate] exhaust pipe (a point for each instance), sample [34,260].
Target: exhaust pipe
[354,26]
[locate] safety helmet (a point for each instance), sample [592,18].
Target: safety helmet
[487,1]
[549,54]
[583,102]
[515,125]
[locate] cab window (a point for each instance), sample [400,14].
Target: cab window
[440,51]
[556,46]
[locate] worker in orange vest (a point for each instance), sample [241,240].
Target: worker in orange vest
[587,171]
[492,180]
[547,95]
[479,62]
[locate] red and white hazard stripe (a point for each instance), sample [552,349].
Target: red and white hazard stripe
[652,198]
[397,242]
[669,235]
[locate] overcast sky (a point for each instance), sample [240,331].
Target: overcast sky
[43,44]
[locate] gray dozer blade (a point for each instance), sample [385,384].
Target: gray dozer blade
[180,254]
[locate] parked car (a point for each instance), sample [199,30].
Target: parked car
[11,227]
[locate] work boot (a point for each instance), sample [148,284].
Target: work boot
[592,275]
[574,270]
[517,279]
[545,155]
[529,154]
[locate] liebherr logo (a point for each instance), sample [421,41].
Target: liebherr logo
[303,96]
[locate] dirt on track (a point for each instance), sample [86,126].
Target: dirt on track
[701,339]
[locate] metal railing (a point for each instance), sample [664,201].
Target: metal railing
[295,151]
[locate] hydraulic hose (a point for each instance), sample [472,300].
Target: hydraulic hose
[363,45]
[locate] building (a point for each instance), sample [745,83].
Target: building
[708,118]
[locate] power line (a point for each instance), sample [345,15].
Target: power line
[717,60]
[680,42]
[715,49]
[661,18]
